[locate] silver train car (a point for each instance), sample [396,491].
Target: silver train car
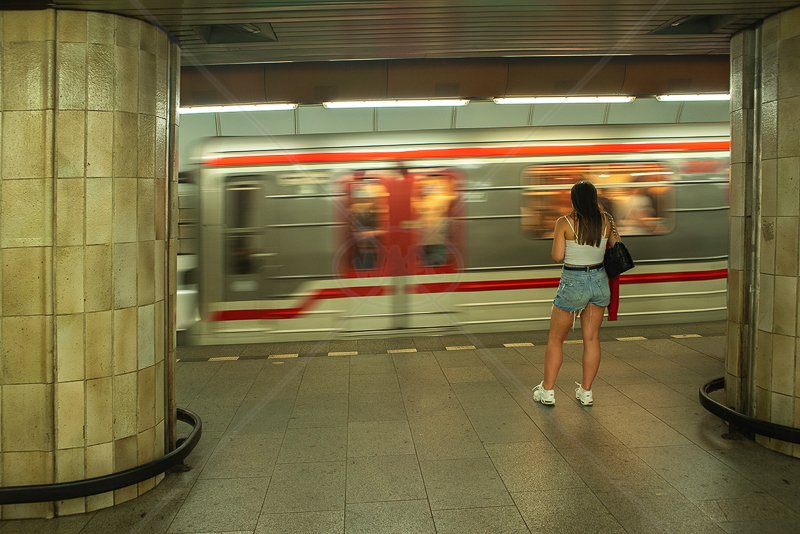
[409,233]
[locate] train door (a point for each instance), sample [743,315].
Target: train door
[244,238]
[401,230]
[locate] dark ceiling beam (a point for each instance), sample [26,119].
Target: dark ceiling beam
[480,78]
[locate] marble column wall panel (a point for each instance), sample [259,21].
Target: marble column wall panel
[84,221]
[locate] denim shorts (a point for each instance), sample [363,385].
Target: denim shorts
[577,289]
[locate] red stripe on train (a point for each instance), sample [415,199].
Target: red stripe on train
[448,287]
[464,152]
[291,313]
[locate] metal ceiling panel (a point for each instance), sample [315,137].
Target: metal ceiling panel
[358,29]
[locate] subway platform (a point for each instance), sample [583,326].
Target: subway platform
[440,434]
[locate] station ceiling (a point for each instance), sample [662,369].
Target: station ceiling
[214,32]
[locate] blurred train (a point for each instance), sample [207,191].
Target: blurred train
[433,232]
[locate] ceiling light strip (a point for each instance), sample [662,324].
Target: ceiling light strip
[701,97]
[345,104]
[609,99]
[234,108]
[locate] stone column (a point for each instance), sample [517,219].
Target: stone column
[86,307]
[762,375]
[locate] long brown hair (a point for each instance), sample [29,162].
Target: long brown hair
[587,213]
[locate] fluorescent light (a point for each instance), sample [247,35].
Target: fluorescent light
[565,100]
[694,98]
[396,103]
[235,108]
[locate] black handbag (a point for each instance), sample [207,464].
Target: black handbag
[617,259]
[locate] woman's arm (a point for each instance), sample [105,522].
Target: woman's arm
[559,238]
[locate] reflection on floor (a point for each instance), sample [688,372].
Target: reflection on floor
[444,440]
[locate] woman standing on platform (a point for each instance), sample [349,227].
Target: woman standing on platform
[579,240]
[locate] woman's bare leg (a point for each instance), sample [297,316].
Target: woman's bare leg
[591,319]
[560,323]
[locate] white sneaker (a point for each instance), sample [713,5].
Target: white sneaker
[545,396]
[583,396]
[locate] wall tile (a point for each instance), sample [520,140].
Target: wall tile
[70,465]
[99,143]
[125,338]
[146,447]
[769,130]
[160,386]
[71,75]
[125,453]
[160,328]
[98,411]
[766,299]
[733,354]
[764,359]
[735,296]
[27,350]
[125,141]
[733,393]
[27,279]
[790,23]
[145,272]
[783,364]
[125,405]
[100,77]
[27,210]
[146,336]
[789,61]
[797,372]
[786,254]
[27,148]
[739,122]
[27,419]
[782,409]
[763,404]
[69,347]
[98,278]
[736,240]
[99,207]
[737,188]
[100,27]
[127,32]
[23,26]
[99,460]
[788,202]
[160,163]
[70,402]
[159,270]
[71,26]
[146,399]
[768,234]
[147,82]
[69,280]
[69,211]
[30,65]
[98,502]
[126,81]
[788,129]
[70,143]
[769,71]
[99,348]
[146,146]
[769,185]
[125,293]
[785,311]
[125,209]
[145,205]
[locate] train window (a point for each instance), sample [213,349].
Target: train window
[369,215]
[639,196]
[433,198]
[242,225]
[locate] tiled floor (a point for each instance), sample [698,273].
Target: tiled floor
[449,441]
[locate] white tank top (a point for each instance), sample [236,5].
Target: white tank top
[577,254]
